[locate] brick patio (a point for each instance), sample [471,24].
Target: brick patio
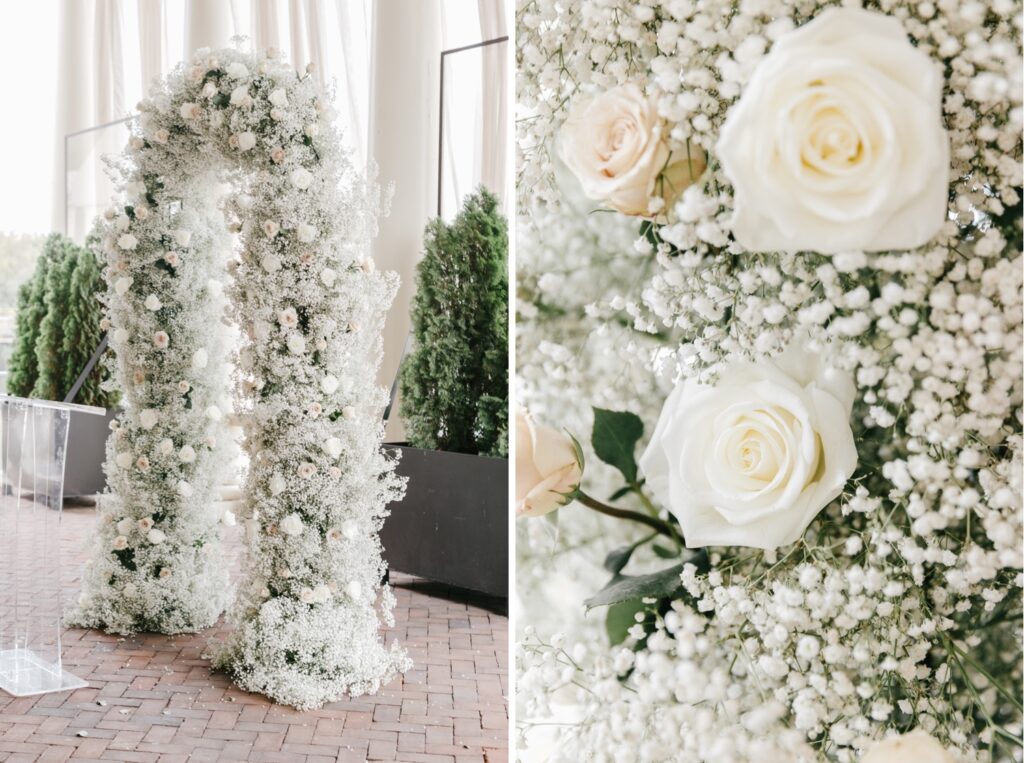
[153,697]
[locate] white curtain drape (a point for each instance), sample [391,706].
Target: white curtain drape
[476,110]
[111,50]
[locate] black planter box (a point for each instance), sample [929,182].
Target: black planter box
[452,526]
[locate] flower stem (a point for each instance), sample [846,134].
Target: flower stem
[634,516]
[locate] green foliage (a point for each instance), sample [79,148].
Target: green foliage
[58,326]
[455,381]
[22,368]
[614,439]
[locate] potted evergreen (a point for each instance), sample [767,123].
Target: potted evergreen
[453,525]
[57,329]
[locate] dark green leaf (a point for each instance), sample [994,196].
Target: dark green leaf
[620,492]
[620,618]
[614,439]
[221,100]
[624,587]
[618,558]
[665,553]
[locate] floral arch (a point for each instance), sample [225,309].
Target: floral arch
[310,307]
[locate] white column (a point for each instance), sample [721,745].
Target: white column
[208,24]
[403,142]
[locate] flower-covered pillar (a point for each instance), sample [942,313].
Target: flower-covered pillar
[310,304]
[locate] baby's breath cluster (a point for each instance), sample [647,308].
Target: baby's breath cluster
[900,607]
[310,306]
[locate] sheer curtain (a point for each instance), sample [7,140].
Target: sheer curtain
[110,50]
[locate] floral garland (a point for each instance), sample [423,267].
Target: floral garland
[311,308]
[816,551]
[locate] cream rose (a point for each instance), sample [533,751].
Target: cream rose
[751,460]
[837,142]
[615,145]
[546,467]
[917,746]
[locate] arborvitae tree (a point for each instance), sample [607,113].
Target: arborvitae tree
[455,381]
[58,326]
[82,332]
[49,360]
[23,369]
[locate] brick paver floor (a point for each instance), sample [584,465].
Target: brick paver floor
[154,698]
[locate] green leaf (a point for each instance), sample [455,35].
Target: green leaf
[657,585]
[625,490]
[614,439]
[620,618]
[618,558]
[665,553]
[221,100]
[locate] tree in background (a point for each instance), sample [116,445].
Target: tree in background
[82,332]
[50,361]
[58,326]
[455,381]
[22,368]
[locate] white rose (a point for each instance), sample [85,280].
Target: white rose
[148,418]
[214,413]
[354,589]
[333,447]
[271,263]
[321,593]
[751,460]
[182,237]
[306,470]
[837,142]
[199,359]
[306,596]
[296,344]
[209,89]
[349,412]
[191,110]
[120,543]
[301,178]
[123,460]
[165,447]
[122,285]
[156,537]
[329,384]
[161,136]
[277,484]
[306,233]
[153,302]
[328,276]
[246,141]
[184,489]
[271,228]
[350,529]
[145,524]
[125,526]
[237,70]
[288,318]
[128,241]
[546,467]
[240,96]
[614,143]
[187,454]
[292,525]
[123,222]
[278,97]
[917,746]
[161,340]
